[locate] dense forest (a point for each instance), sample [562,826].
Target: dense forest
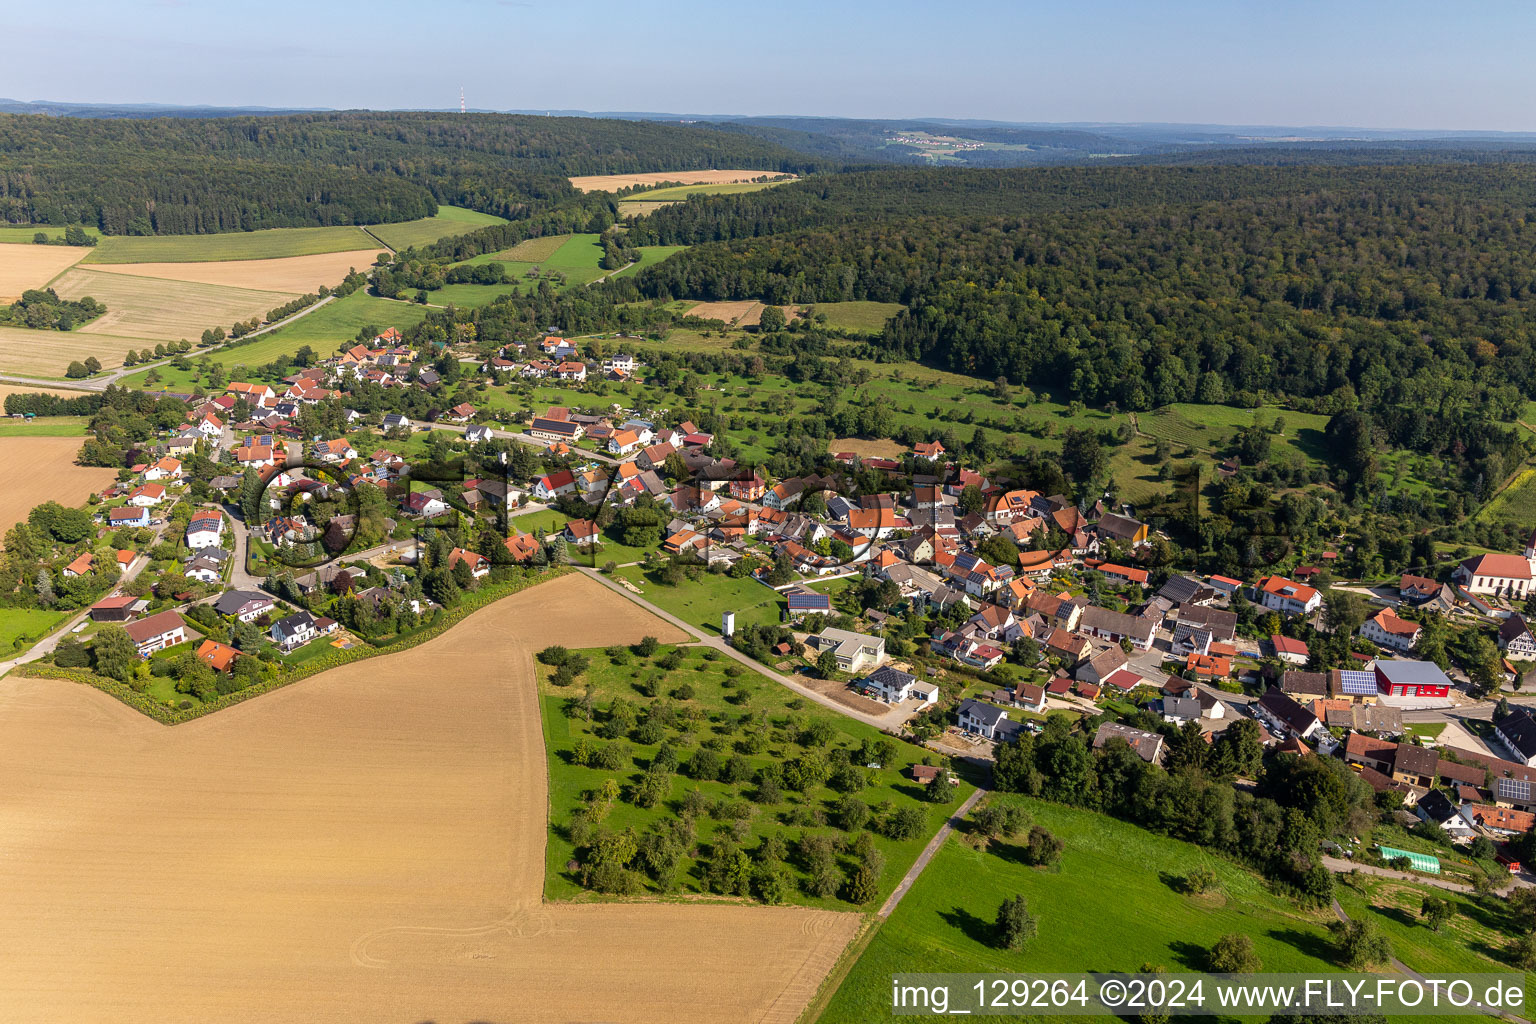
[193,176]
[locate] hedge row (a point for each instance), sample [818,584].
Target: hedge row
[166,715]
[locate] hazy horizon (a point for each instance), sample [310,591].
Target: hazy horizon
[1375,66]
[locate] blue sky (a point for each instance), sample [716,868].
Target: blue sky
[1363,63]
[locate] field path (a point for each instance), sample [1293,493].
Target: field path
[927,854]
[364,845]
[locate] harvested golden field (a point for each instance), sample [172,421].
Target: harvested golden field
[299,274]
[152,309]
[365,845]
[738,314]
[25,389]
[534,250]
[38,469]
[878,449]
[614,182]
[49,353]
[32,266]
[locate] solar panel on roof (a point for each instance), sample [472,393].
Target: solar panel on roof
[1356,683]
[1512,789]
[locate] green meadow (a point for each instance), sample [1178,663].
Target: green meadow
[448,221]
[233,245]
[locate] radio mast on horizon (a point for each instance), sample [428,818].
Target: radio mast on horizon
[461,99]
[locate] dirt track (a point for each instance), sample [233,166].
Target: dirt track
[366,845]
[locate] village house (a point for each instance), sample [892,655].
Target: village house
[165,469]
[1284,717]
[1148,745]
[553,485]
[1286,596]
[1289,651]
[853,651]
[1515,638]
[1387,629]
[120,517]
[582,533]
[1101,665]
[220,657]
[156,633]
[1517,733]
[205,528]
[147,495]
[1121,529]
[244,605]
[294,631]
[981,719]
[1116,626]
[479,565]
[81,565]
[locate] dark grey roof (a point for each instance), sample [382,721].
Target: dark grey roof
[1415,760]
[1184,589]
[1185,708]
[1146,744]
[295,622]
[1296,718]
[1436,807]
[1311,684]
[984,713]
[1407,671]
[1520,730]
[890,677]
[232,601]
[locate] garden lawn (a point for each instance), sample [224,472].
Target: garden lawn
[777,709]
[27,625]
[701,602]
[1110,907]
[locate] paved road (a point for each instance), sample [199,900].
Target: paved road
[927,854]
[890,722]
[101,383]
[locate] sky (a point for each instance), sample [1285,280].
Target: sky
[1404,64]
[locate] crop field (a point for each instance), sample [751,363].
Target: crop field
[449,220]
[614,182]
[156,310]
[370,847]
[27,389]
[534,250]
[38,469]
[22,234]
[298,274]
[270,243]
[49,353]
[865,448]
[33,266]
[1110,907]
[738,314]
